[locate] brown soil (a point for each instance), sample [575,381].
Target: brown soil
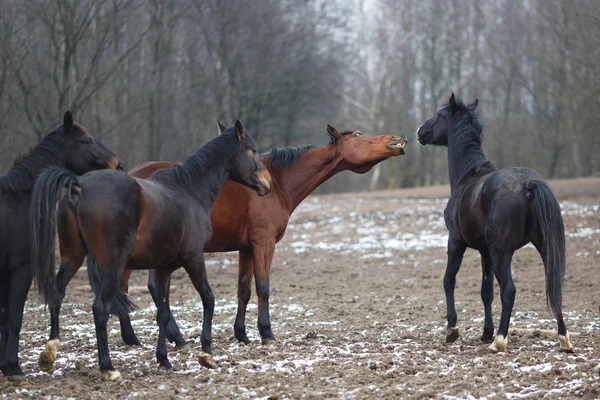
[358,307]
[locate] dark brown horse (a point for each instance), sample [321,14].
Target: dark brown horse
[123,222]
[495,212]
[252,225]
[68,146]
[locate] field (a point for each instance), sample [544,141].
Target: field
[358,306]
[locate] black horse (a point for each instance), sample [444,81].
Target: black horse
[161,222]
[495,212]
[67,146]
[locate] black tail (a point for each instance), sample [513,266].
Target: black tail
[46,192]
[550,220]
[122,304]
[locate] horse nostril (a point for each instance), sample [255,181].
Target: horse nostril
[120,166]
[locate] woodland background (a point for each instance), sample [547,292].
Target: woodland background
[150,77]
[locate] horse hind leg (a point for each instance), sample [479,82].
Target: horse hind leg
[501,261]
[487,296]
[72,255]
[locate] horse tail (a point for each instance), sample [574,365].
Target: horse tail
[46,193]
[553,249]
[122,304]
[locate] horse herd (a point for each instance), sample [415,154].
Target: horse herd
[226,197]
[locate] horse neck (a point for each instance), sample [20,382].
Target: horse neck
[205,172]
[464,154]
[313,167]
[49,153]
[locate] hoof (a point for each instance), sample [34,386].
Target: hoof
[111,376]
[17,380]
[565,343]
[184,348]
[451,335]
[206,361]
[268,341]
[132,341]
[499,344]
[47,358]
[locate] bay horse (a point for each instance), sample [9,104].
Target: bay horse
[253,225]
[68,146]
[494,212]
[123,222]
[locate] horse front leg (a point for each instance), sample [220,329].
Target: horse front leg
[263,256]
[456,250]
[172,330]
[19,287]
[487,296]
[196,269]
[245,275]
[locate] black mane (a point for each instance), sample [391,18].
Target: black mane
[212,153]
[285,157]
[466,151]
[51,151]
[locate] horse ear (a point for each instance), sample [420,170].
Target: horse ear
[452,101]
[332,132]
[220,127]
[68,120]
[473,105]
[239,130]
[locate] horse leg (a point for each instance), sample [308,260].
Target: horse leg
[501,264]
[172,330]
[127,332]
[487,296]
[263,256]
[196,269]
[19,287]
[245,274]
[4,311]
[563,335]
[456,250]
[69,266]
[110,276]
[162,281]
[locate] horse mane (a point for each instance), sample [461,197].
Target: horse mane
[212,153]
[285,157]
[466,151]
[26,167]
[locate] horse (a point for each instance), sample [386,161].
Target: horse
[123,222]
[496,212]
[69,146]
[260,222]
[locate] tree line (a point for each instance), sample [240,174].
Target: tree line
[150,78]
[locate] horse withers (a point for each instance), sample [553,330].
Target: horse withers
[253,225]
[495,212]
[68,146]
[123,222]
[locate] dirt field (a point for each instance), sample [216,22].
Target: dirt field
[358,306]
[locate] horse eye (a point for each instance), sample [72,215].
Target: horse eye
[357,134]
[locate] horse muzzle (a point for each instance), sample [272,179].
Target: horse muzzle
[398,144]
[264,182]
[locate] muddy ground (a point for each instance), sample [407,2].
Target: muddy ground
[358,307]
